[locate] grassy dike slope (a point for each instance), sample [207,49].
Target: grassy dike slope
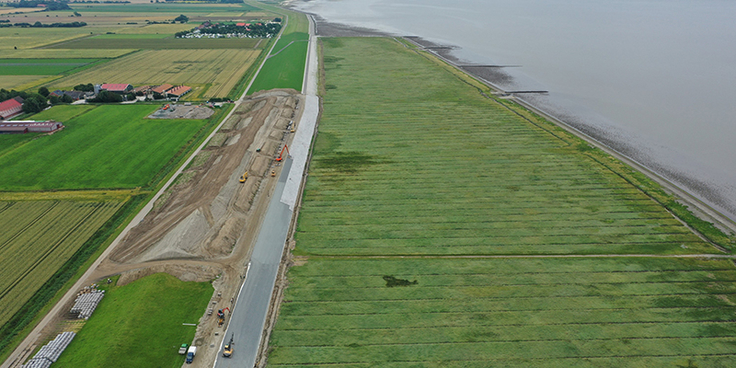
[411,160]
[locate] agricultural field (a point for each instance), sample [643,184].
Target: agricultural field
[213,72]
[426,210]
[41,66]
[100,147]
[285,66]
[508,313]
[22,82]
[189,44]
[37,238]
[150,330]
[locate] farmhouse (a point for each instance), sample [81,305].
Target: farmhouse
[117,88]
[75,95]
[30,126]
[162,88]
[11,107]
[178,91]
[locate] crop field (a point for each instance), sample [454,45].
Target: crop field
[508,313]
[63,53]
[159,44]
[28,38]
[41,66]
[222,69]
[37,238]
[110,146]
[426,210]
[285,66]
[18,82]
[150,330]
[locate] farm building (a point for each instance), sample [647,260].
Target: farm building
[178,91]
[144,89]
[117,88]
[162,88]
[10,108]
[75,95]
[30,126]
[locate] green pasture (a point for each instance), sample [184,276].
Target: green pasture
[41,66]
[140,325]
[285,66]
[625,312]
[418,180]
[111,146]
[118,36]
[158,44]
[409,160]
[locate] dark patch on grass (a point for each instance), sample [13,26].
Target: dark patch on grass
[393,281]
[330,86]
[347,162]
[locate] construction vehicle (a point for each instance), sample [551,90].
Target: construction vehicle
[228,350]
[244,177]
[166,107]
[183,349]
[221,316]
[273,173]
[190,354]
[260,148]
[281,155]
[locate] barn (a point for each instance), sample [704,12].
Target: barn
[120,88]
[178,91]
[162,88]
[30,126]
[10,108]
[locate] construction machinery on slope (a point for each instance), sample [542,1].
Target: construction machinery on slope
[244,177]
[221,316]
[227,351]
[281,155]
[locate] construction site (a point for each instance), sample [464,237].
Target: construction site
[203,226]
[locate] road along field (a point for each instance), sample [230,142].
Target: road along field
[100,148]
[38,237]
[219,69]
[417,176]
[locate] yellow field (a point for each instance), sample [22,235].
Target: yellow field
[169,29]
[21,82]
[64,53]
[38,237]
[28,38]
[222,69]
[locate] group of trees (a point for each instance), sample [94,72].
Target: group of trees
[254,30]
[48,4]
[89,87]
[181,19]
[32,102]
[52,25]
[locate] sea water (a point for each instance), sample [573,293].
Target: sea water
[653,79]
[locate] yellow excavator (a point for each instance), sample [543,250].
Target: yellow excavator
[244,177]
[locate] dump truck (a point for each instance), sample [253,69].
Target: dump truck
[190,354]
[183,349]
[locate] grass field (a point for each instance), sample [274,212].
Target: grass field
[28,38]
[222,69]
[149,331]
[37,238]
[158,44]
[285,66]
[41,66]
[105,147]
[412,165]
[508,313]
[63,53]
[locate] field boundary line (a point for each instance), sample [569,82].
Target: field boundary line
[480,256]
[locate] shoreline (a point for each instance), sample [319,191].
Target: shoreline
[698,207]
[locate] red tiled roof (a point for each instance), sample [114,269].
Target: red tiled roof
[10,108]
[162,88]
[240,24]
[120,87]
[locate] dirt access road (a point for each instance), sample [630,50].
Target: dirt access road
[204,225]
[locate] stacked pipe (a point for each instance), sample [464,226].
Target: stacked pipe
[86,303]
[50,352]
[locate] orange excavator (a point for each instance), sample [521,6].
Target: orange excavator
[281,155]
[244,177]
[221,316]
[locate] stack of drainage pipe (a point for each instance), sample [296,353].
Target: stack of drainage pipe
[86,303]
[50,352]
